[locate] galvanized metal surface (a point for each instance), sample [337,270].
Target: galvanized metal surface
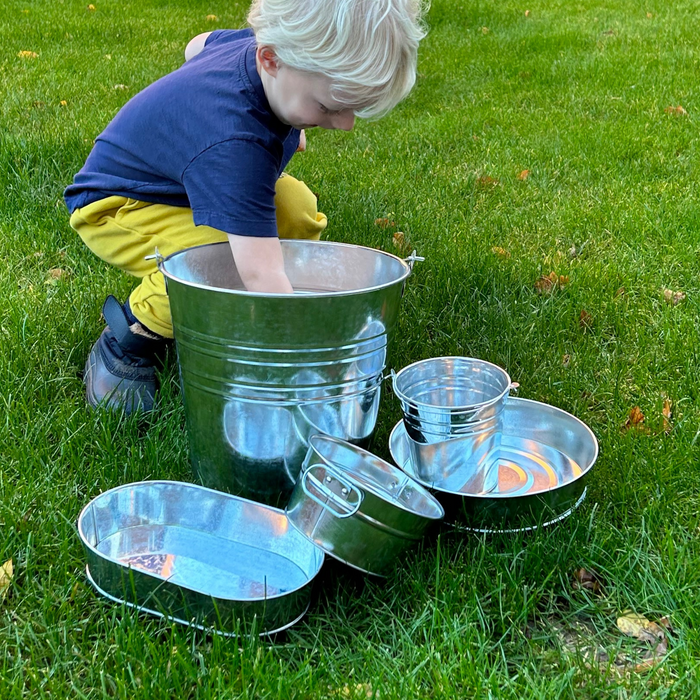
[261,373]
[198,557]
[452,409]
[545,458]
[357,507]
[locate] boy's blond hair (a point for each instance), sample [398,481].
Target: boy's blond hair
[367,48]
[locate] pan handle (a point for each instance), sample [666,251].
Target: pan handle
[343,508]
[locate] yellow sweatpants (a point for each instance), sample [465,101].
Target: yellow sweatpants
[124,231]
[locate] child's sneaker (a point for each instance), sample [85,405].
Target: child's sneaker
[120,372]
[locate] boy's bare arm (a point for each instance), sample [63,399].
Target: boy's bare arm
[260,264]
[196,45]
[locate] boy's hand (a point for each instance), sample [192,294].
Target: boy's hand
[260,264]
[302,141]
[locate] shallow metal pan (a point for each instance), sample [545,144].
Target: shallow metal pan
[544,461]
[198,557]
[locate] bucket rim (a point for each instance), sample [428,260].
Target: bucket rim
[404,399]
[368,484]
[407,269]
[517,401]
[81,527]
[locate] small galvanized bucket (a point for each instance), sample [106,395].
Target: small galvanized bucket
[452,410]
[357,507]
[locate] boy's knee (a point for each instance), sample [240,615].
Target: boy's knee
[297,212]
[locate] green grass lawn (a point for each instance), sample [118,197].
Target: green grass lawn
[577,95]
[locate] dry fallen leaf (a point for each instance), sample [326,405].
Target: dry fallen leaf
[639,627]
[581,640]
[121,86]
[63,103]
[108,56]
[6,573]
[545,283]
[487,181]
[677,110]
[666,413]
[28,54]
[565,360]
[91,8]
[55,274]
[211,18]
[527,13]
[665,622]
[649,15]
[548,283]
[672,297]
[635,419]
[587,580]
[383,222]
[501,252]
[523,174]
[401,243]
[634,625]
[484,30]
[620,292]
[585,320]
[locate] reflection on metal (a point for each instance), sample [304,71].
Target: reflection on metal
[544,460]
[452,411]
[198,556]
[261,373]
[358,508]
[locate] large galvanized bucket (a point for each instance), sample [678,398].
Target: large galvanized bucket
[261,373]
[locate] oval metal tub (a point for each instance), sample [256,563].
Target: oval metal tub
[198,557]
[544,461]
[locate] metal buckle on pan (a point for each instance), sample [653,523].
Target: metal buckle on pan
[345,508]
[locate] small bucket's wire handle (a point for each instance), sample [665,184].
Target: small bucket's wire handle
[392,376]
[345,509]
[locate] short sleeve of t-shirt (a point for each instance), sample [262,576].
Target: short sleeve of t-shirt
[216,183]
[203,136]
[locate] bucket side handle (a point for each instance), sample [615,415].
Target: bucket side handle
[158,257]
[411,260]
[341,508]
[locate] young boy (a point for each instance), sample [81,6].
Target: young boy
[198,157]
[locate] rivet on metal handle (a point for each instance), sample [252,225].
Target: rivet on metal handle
[345,509]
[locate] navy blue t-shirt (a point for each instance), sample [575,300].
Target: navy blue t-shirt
[203,137]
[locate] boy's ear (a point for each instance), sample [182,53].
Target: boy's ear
[267,58]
